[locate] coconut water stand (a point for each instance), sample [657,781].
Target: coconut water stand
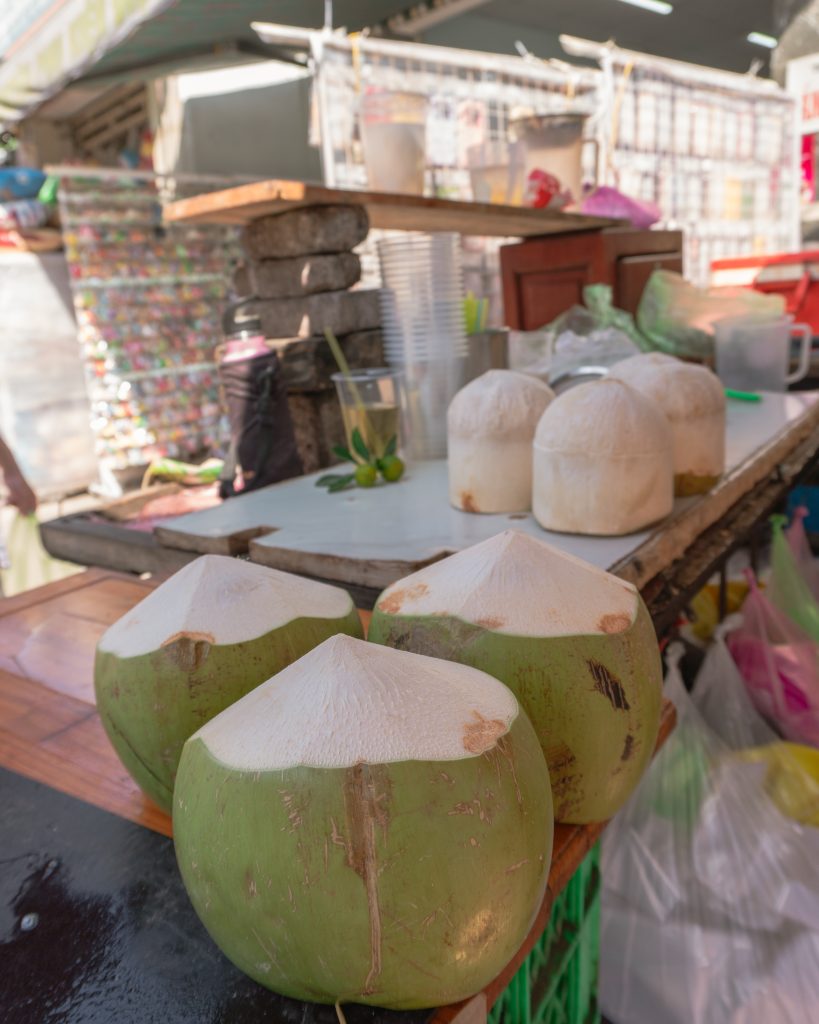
[91,861]
[93,912]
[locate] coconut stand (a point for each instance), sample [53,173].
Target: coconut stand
[364,541]
[85,843]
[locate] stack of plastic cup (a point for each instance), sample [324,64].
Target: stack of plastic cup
[422,318]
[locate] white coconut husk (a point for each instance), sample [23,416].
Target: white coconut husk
[491,423]
[348,702]
[603,461]
[693,401]
[221,600]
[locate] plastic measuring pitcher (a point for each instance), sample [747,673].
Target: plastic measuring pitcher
[755,355]
[393,140]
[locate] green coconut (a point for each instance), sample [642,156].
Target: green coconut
[367,826]
[200,641]
[574,643]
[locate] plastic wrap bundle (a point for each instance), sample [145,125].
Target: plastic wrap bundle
[22,214]
[776,648]
[710,909]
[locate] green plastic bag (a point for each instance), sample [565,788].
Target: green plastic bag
[678,318]
[599,300]
[789,590]
[28,563]
[48,193]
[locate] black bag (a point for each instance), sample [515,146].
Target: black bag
[262,439]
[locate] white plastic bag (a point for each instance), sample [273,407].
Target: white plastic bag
[708,908]
[25,563]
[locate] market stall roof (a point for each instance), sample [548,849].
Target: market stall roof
[799,36]
[88,44]
[49,47]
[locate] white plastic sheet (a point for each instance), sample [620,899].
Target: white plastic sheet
[710,911]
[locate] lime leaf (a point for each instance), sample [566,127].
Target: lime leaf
[328,478]
[358,444]
[392,446]
[342,452]
[342,483]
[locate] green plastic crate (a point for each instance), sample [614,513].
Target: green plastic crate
[557,983]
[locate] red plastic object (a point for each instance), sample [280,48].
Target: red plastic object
[794,275]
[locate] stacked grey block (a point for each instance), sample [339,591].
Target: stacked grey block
[300,268]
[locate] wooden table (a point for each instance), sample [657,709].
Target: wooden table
[50,730]
[385,209]
[371,538]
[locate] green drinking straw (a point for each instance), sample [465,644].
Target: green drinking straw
[743,396]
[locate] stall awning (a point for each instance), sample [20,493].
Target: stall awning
[54,44]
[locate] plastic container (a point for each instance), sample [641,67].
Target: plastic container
[554,143]
[393,139]
[496,171]
[424,332]
[422,299]
[755,355]
[557,982]
[20,182]
[371,400]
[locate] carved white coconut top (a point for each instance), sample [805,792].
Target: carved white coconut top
[604,417]
[349,701]
[223,601]
[518,585]
[685,391]
[499,404]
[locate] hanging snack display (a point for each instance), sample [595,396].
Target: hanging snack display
[148,301]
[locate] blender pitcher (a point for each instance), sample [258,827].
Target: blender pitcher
[755,355]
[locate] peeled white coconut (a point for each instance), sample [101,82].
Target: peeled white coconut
[368,825]
[491,423]
[574,643]
[204,638]
[693,400]
[603,461]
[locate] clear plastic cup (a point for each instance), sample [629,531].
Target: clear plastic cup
[372,401]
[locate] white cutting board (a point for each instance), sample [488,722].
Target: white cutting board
[373,537]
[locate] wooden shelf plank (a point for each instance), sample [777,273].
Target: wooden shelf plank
[385,209]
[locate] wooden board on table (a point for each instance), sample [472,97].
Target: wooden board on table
[87,538]
[373,537]
[385,210]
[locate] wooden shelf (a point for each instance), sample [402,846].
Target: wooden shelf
[386,210]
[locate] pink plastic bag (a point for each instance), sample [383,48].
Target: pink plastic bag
[608,202]
[780,666]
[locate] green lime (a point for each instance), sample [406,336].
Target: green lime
[365,476]
[392,468]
